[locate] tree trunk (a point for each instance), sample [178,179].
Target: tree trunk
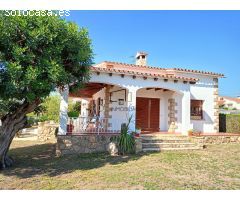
[11,124]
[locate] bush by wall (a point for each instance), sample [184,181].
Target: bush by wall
[229,123]
[50,110]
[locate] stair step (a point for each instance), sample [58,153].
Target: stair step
[170,149]
[28,131]
[164,141]
[164,138]
[26,136]
[168,145]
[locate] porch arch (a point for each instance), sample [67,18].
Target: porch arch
[159,109]
[137,83]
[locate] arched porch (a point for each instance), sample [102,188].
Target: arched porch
[158,110]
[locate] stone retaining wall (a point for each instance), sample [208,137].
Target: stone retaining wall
[47,131]
[77,144]
[204,140]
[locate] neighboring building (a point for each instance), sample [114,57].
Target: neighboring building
[158,99]
[229,103]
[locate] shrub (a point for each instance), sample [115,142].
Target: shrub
[126,142]
[73,114]
[74,109]
[229,123]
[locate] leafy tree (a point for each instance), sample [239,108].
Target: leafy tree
[50,108]
[37,54]
[74,108]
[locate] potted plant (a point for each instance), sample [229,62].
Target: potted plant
[190,132]
[138,131]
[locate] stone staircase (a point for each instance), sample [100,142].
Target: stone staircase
[157,142]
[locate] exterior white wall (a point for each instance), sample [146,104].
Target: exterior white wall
[202,90]
[84,107]
[118,112]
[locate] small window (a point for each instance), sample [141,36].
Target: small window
[196,109]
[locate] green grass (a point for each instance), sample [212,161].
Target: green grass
[36,167]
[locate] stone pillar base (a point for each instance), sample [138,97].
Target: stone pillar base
[138,145]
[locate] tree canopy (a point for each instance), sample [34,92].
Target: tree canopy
[38,54]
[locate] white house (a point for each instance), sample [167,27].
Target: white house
[170,100]
[229,103]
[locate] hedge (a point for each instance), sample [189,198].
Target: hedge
[229,123]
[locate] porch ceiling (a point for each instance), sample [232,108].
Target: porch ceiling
[88,90]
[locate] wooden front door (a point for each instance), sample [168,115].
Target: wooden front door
[147,113]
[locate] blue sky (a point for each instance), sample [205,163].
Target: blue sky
[203,40]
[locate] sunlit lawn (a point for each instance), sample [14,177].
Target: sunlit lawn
[36,167]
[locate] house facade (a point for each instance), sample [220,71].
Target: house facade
[156,99]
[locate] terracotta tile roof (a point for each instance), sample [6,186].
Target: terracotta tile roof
[136,70]
[237,100]
[150,69]
[198,72]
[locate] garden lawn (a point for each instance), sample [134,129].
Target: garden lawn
[36,167]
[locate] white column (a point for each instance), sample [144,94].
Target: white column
[63,115]
[186,112]
[84,108]
[131,104]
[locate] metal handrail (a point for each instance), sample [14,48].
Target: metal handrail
[94,124]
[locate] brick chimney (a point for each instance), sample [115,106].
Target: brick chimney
[141,58]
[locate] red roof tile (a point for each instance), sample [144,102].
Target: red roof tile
[141,73]
[150,69]
[237,100]
[198,72]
